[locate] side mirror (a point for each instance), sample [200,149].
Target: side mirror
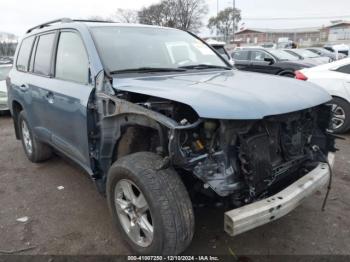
[269,60]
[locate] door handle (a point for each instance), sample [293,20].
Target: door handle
[50,97]
[24,87]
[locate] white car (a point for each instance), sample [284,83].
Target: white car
[4,70]
[335,78]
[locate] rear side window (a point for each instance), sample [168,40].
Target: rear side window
[24,54]
[42,60]
[344,69]
[72,62]
[241,55]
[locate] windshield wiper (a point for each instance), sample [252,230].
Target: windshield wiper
[205,66]
[147,70]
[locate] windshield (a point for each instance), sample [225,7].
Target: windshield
[4,71]
[324,51]
[283,55]
[305,53]
[128,47]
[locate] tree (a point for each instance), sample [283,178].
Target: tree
[99,18]
[125,16]
[181,14]
[225,22]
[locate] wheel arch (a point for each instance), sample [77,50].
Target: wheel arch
[139,133]
[129,133]
[286,72]
[340,97]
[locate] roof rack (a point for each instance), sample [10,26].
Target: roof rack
[64,20]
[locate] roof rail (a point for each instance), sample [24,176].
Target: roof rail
[93,21]
[64,20]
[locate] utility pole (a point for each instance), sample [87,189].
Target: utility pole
[217,13]
[233,18]
[217,7]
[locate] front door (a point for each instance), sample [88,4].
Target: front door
[258,63]
[67,97]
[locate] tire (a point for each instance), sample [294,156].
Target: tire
[340,114]
[170,209]
[39,151]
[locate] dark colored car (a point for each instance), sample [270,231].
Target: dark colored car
[159,120]
[308,56]
[326,53]
[269,61]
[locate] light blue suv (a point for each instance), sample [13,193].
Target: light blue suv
[160,120]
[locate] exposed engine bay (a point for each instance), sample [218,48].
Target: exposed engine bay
[240,159]
[250,157]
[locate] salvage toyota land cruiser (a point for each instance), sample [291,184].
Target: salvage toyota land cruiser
[157,117]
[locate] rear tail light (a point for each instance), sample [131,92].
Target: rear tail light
[300,76]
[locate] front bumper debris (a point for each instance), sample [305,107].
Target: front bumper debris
[242,219]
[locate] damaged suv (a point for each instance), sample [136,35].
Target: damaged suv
[158,117]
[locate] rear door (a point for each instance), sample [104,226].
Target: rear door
[68,96]
[38,82]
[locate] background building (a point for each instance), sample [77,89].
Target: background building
[336,33]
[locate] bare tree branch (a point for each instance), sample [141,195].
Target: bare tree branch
[181,14]
[125,16]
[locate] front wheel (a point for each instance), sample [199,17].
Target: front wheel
[151,207]
[340,115]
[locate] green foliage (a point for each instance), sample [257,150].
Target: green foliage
[225,22]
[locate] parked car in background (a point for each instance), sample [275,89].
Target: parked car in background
[340,49]
[4,71]
[269,61]
[6,60]
[220,48]
[311,57]
[269,45]
[326,53]
[335,78]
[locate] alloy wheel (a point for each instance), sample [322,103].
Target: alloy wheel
[27,140]
[133,212]
[338,116]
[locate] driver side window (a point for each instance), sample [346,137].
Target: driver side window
[259,56]
[72,62]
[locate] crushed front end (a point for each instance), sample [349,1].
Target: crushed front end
[249,160]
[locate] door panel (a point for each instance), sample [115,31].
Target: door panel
[67,103]
[67,98]
[259,65]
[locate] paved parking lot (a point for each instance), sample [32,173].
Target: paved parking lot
[75,220]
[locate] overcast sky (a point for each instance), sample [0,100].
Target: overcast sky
[18,15]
